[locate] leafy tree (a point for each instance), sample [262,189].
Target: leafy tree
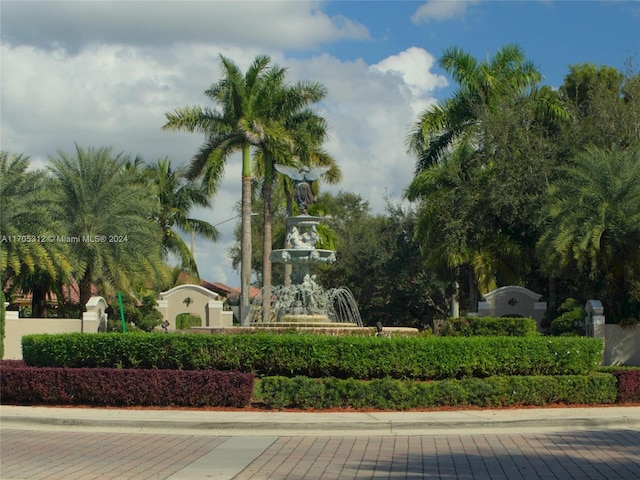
[240,119]
[380,262]
[605,106]
[175,198]
[484,159]
[107,216]
[594,226]
[481,87]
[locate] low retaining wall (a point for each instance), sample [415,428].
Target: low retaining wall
[16,328]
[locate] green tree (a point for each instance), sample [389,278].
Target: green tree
[107,216]
[240,119]
[380,262]
[605,106]
[176,196]
[594,226]
[483,163]
[481,87]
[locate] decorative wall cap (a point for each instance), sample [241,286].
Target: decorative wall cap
[510,290]
[188,288]
[594,307]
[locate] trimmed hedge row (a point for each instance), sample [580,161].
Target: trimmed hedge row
[488,326]
[628,385]
[422,358]
[116,387]
[306,393]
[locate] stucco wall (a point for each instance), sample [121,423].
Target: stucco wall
[15,329]
[621,345]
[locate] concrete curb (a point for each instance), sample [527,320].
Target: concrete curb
[318,423]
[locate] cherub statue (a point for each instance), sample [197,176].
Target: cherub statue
[302,179]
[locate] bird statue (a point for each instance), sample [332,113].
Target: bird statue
[302,179]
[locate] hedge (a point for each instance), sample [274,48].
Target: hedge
[628,385]
[305,393]
[489,326]
[117,387]
[422,358]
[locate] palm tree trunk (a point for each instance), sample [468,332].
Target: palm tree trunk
[267,188]
[245,237]
[473,291]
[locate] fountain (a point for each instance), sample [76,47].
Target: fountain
[304,303]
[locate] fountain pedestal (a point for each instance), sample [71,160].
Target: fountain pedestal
[304,302]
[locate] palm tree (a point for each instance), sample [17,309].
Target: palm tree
[28,247]
[175,198]
[594,225]
[106,214]
[481,86]
[240,120]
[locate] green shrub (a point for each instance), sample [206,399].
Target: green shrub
[320,355]
[390,394]
[567,322]
[140,315]
[185,321]
[488,326]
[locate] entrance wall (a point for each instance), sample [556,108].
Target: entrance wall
[196,300]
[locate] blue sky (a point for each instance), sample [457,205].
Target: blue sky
[102,73]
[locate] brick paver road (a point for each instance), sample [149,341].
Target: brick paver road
[583,455]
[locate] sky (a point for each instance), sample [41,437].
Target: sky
[105,73]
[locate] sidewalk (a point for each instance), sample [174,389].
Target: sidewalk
[256,423]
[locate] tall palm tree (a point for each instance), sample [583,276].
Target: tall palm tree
[239,120]
[31,260]
[175,198]
[481,85]
[28,249]
[594,224]
[107,218]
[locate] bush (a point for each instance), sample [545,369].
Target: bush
[567,322]
[487,326]
[139,314]
[318,356]
[185,321]
[390,394]
[117,387]
[628,385]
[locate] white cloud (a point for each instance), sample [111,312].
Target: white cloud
[273,24]
[414,67]
[117,95]
[436,10]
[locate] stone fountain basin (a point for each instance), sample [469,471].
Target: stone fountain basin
[302,255]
